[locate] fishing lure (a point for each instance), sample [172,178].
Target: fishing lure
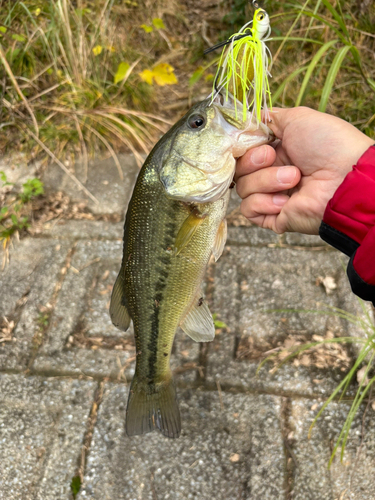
[243,67]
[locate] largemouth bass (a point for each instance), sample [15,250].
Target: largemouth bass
[175,221]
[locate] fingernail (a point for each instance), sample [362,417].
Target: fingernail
[279,199]
[286,175]
[258,156]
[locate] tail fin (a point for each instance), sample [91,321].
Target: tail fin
[153,407]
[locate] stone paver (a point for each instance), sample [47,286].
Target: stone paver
[228,449]
[30,280]
[244,435]
[103,181]
[350,479]
[42,424]
[249,285]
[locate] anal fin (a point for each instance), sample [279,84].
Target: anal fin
[221,238]
[198,323]
[117,310]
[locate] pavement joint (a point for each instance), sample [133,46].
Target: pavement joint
[180,385]
[291,464]
[87,438]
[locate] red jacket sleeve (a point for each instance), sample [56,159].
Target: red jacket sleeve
[349,224]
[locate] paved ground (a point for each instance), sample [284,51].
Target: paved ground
[64,370]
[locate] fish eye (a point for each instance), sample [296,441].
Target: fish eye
[197,122]
[260,17]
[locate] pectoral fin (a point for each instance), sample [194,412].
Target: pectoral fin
[221,238]
[198,323]
[117,310]
[187,230]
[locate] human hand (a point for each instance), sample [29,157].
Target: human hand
[288,188]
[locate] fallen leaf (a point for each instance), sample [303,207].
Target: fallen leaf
[147,76]
[158,23]
[328,282]
[362,376]
[147,29]
[18,38]
[164,75]
[121,72]
[105,275]
[318,338]
[305,360]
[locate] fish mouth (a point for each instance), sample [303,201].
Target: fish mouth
[229,108]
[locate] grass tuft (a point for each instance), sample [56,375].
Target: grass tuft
[70,82]
[365,358]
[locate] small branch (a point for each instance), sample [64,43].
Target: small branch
[19,91]
[62,166]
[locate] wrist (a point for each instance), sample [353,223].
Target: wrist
[351,210]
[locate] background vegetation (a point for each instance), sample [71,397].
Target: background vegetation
[79,77]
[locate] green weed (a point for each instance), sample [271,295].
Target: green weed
[322,56]
[75,485]
[365,357]
[14,207]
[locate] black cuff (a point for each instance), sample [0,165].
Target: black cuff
[337,239]
[359,286]
[346,245]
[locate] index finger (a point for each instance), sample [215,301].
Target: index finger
[255,159]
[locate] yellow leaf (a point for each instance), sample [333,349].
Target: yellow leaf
[164,75]
[158,23]
[147,76]
[97,50]
[146,28]
[121,72]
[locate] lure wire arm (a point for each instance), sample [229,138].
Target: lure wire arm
[222,44]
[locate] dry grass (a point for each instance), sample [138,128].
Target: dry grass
[59,61]
[59,94]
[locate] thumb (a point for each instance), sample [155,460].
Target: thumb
[280,118]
